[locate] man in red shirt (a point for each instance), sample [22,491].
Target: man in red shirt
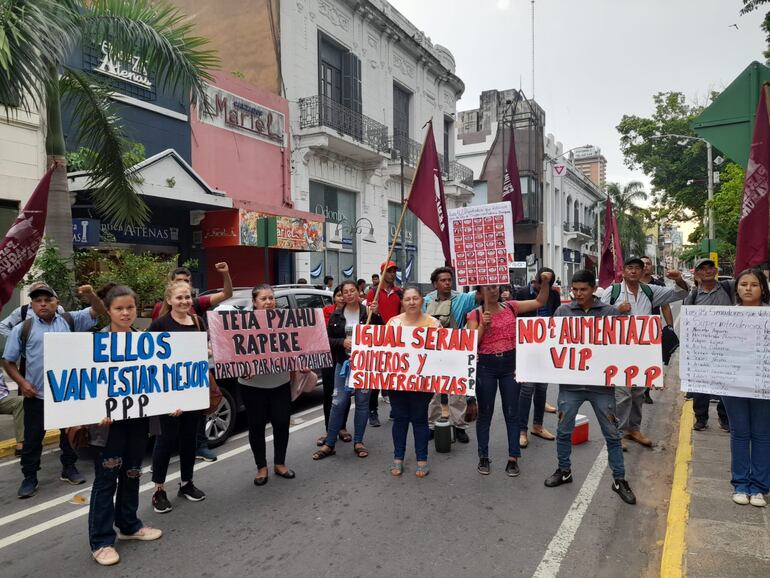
[388,304]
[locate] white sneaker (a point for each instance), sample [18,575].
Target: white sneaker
[741,498]
[758,500]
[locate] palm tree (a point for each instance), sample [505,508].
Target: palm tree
[630,217]
[36,39]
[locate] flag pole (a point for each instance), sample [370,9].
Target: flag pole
[398,228]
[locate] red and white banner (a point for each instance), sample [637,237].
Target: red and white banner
[248,343]
[481,244]
[427,359]
[621,351]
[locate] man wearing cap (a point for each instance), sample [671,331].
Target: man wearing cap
[631,297]
[709,291]
[20,314]
[387,304]
[26,340]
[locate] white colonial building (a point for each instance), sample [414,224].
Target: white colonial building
[362,82]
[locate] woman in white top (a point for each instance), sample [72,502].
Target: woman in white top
[267,398]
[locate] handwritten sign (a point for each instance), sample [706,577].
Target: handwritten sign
[609,351]
[725,351]
[481,244]
[248,343]
[428,359]
[90,376]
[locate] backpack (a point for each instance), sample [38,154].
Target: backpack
[26,329]
[616,292]
[725,285]
[442,311]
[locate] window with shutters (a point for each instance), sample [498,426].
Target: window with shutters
[401,100]
[339,87]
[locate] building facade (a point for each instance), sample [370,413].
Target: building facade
[365,82]
[591,162]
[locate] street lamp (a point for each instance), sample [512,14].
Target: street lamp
[356,228]
[682,141]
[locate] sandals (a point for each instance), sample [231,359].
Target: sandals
[321,454]
[396,468]
[422,471]
[345,437]
[543,434]
[321,441]
[360,450]
[523,440]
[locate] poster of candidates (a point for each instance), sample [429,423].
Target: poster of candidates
[481,242]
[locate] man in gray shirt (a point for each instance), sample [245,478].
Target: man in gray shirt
[710,291]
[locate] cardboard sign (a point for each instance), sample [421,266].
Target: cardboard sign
[428,359]
[249,343]
[622,351]
[481,243]
[90,376]
[725,351]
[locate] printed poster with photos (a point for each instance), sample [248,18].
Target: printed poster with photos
[481,243]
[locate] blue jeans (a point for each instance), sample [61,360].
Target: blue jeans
[410,407]
[749,443]
[340,407]
[528,391]
[493,372]
[603,403]
[117,466]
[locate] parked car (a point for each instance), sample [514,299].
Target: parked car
[221,423]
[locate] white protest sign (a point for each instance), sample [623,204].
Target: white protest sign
[610,351]
[90,376]
[428,359]
[725,351]
[481,244]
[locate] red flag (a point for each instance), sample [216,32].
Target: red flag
[611,269]
[426,197]
[19,248]
[512,182]
[751,246]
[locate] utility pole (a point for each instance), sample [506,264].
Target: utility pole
[710,161]
[403,229]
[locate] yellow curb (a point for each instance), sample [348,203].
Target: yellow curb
[679,504]
[7,446]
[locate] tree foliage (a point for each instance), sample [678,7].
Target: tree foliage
[750,6]
[631,217]
[677,171]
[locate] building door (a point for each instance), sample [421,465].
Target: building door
[401,119]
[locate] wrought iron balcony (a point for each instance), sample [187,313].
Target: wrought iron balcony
[316,111]
[460,173]
[403,146]
[578,228]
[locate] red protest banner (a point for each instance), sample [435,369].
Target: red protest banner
[248,343]
[427,359]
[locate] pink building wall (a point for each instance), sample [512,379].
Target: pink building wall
[253,172]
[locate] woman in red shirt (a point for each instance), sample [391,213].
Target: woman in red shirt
[496,324]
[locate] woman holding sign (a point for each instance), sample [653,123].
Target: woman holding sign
[340,329]
[179,429]
[411,406]
[496,324]
[750,417]
[268,398]
[118,451]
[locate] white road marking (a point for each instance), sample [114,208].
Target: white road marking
[560,543]
[49,524]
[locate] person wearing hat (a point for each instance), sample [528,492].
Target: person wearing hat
[632,297]
[26,340]
[20,314]
[709,291]
[388,305]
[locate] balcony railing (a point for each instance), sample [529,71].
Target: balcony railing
[578,228]
[460,173]
[320,110]
[407,148]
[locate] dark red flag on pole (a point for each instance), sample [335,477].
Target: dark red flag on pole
[19,248]
[611,269]
[426,196]
[512,182]
[751,246]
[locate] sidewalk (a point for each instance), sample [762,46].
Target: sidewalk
[709,535]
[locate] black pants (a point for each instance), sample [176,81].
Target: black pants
[700,406]
[327,377]
[176,433]
[34,432]
[263,405]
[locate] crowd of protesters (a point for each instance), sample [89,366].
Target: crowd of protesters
[116,449]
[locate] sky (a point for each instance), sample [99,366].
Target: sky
[595,60]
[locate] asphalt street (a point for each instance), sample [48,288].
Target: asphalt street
[346,514]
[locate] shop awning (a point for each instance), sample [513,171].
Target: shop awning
[293,231]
